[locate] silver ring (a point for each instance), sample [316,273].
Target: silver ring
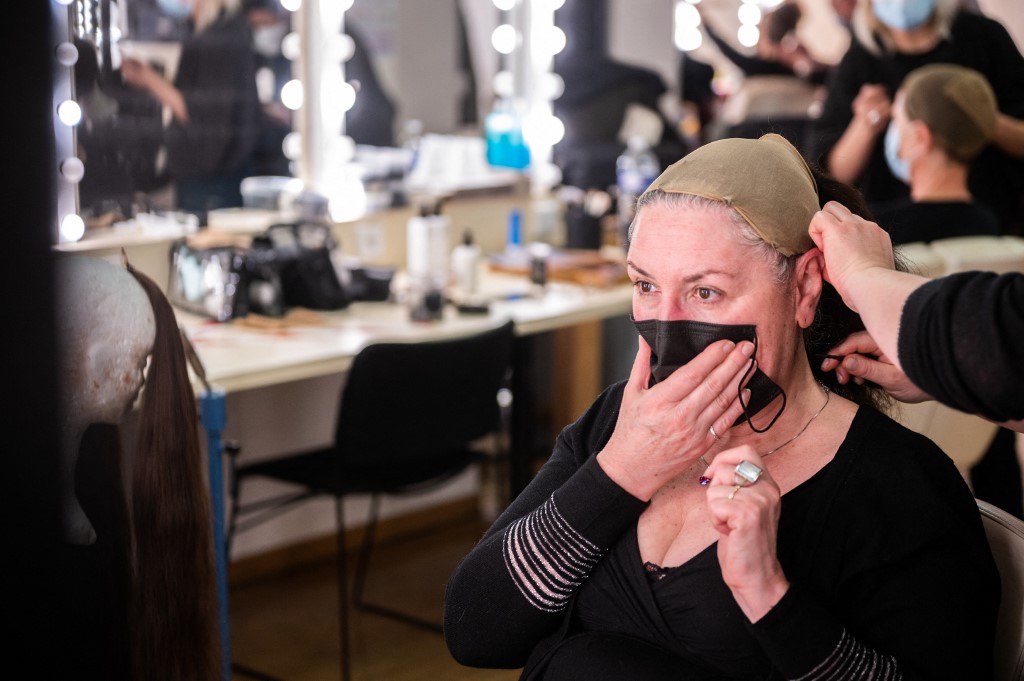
[874,117]
[735,489]
[713,433]
[746,474]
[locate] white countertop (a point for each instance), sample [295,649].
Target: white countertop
[237,356]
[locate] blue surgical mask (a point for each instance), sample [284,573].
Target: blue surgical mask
[178,9]
[899,167]
[903,15]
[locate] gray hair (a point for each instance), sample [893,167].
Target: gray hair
[781,266]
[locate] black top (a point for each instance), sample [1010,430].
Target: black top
[884,550]
[975,41]
[960,340]
[217,77]
[909,221]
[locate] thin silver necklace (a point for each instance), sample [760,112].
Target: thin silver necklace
[828,393]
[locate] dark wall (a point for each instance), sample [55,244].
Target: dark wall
[29,436]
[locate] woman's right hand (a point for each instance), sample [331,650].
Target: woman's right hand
[872,107]
[663,429]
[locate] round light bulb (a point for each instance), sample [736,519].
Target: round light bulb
[291,46]
[291,94]
[69,112]
[67,54]
[552,40]
[552,85]
[687,16]
[72,169]
[291,146]
[688,39]
[342,48]
[291,5]
[504,83]
[346,96]
[748,35]
[72,227]
[749,14]
[505,38]
[504,5]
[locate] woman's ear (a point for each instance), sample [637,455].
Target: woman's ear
[807,279]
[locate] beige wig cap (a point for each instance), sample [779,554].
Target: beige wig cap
[765,180]
[956,103]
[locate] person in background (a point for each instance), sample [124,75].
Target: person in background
[943,116]
[779,50]
[215,110]
[891,39]
[731,510]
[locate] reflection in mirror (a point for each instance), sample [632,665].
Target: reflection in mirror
[180,102]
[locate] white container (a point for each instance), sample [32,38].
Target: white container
[427,250]
[466,265]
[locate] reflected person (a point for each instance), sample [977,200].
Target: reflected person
[215,110]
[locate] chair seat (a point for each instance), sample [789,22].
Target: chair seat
[318,471]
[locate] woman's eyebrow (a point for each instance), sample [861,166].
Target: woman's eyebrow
[632,265]
[696,276]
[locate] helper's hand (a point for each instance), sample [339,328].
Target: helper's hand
[862,360]
[852,247]
[747,519]
[662,430]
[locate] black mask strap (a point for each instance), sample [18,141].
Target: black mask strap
[745,405]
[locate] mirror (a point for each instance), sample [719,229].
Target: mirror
[411,63]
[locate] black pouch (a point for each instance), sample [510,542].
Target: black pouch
[302,254]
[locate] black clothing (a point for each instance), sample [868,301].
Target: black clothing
[909,221]
[217,78]
[960,340]
[883,547]
[975,41]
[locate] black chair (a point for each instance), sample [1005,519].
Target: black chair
[410,418]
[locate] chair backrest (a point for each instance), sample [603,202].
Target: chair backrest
[1006,538]
[403,402]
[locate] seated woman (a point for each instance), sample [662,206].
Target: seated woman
[730,511]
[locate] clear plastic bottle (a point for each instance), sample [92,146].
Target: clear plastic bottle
[635,169]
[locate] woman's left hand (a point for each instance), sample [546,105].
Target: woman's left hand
[747,518]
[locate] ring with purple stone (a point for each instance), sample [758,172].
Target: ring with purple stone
[704,480]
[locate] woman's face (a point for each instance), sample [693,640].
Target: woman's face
[689,263]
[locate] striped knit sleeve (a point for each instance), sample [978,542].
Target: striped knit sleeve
[548,559]
[850,659]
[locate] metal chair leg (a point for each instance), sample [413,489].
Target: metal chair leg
[343,618]
[362,567]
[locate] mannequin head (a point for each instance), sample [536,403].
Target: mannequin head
[106,330]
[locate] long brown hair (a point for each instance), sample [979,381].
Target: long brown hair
[173,606]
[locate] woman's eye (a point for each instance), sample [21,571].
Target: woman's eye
[643,286]
[705,293]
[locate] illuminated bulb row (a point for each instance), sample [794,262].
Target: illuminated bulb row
[750,16]
[686,34]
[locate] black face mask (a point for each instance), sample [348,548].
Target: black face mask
[674,343]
